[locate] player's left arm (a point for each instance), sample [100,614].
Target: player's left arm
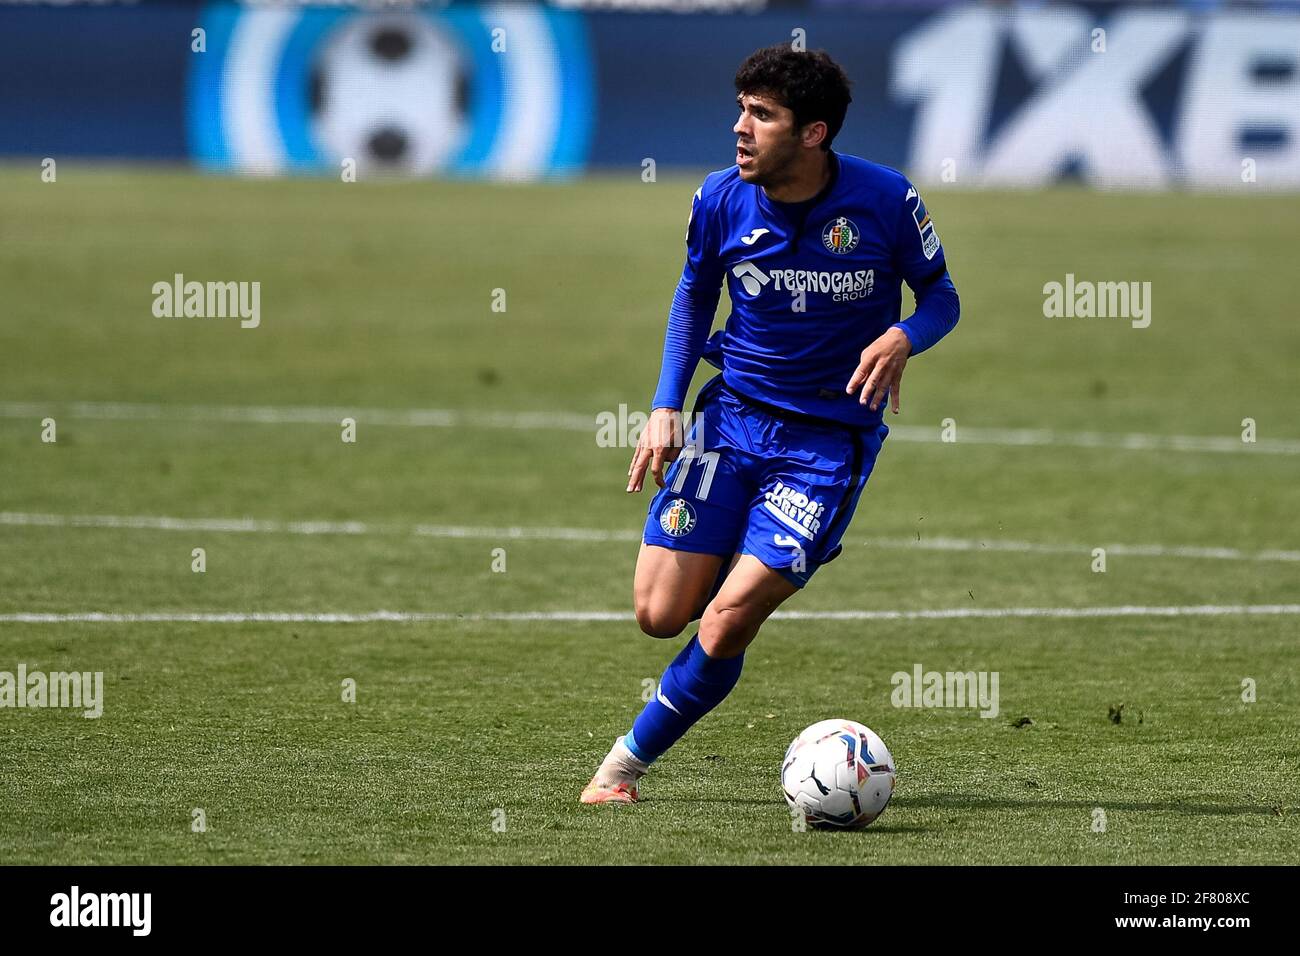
[920,261]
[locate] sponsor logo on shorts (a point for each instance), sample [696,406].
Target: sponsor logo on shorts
[795,510]
[677,518]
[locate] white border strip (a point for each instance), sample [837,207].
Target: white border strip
[248,117]
[531,102]
[467,532]
[573,422]
[198,617]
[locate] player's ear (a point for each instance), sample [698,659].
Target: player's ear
[813,133]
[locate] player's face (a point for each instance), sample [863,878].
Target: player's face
[766,144]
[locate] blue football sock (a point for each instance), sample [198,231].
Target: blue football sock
[693,685]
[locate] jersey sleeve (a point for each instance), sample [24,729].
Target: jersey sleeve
[918,253]
[694,304]
[919,259]
[702,271]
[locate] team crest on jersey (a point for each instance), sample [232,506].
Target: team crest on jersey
[677,518]
[929,238]
[840,236]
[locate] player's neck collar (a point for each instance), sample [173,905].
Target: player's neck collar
[833,159]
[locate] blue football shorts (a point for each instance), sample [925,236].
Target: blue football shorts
[759,480]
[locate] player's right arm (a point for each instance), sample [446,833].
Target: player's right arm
[689,319]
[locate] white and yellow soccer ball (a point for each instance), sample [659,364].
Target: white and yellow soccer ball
[839,774]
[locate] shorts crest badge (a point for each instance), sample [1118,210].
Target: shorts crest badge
[678,518]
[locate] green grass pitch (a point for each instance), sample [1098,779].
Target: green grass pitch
[469,739]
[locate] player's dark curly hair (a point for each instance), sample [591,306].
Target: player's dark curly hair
[808,83]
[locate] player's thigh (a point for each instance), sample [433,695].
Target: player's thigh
[671,587]
[749,595]
[696,521]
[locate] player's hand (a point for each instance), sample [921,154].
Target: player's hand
[880,372]
[659,445]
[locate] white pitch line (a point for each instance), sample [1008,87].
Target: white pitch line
[1119,441]
[294,617]
[256,526]
[305,414]
[574,422]
[467,532]
[406,617]
[1129,610]
[1111,549]
[161,523]
[542,534]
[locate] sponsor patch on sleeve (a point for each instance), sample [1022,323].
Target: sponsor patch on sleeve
[929,238]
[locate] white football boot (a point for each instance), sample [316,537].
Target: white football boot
[616,780]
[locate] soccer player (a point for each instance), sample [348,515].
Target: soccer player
[814,246]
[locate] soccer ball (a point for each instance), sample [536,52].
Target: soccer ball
[391,92]
[838,774]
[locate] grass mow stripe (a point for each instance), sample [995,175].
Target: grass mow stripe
[370,617]
[575,422]
[468,532]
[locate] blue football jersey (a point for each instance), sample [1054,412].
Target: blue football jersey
[806,300]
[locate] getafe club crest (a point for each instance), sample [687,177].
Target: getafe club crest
[840,236]
[677,518]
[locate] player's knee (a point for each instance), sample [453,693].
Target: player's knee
[725,630]
[658,620]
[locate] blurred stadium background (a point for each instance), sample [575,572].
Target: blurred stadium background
[956,93]
[466,223]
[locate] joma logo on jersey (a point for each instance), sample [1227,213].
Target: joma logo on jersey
[841,286]
[795,510]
